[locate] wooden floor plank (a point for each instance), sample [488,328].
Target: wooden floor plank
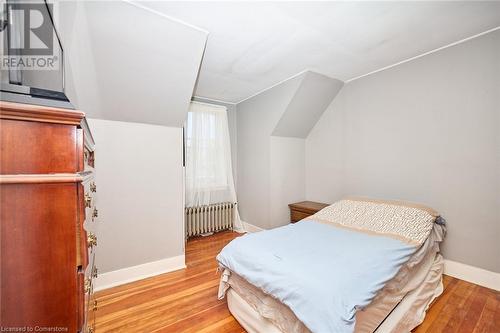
[434,313]
[475,307]
[186,301]
[462,304]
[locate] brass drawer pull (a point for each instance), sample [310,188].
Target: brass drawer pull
[94,272]
[88,200]
[91,240]
[93,187]
[87,286]
[95,306]
[95,213]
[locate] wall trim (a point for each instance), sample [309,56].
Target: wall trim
[472,274]
[275,84]
[211,100]
[151,10]
[250,227]
[139,272]
[217,106]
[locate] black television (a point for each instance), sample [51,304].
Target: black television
[31,52]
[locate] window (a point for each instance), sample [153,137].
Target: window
[205,150]
[208,156]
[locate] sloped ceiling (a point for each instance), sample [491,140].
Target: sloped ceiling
[127,63]
[254,45]
[311,99]
[288,109]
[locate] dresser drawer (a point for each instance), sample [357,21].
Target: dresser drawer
[91,306]
[86,161]
[37,148]
[86,300]
[38,259]
[90,267]
[88,323]
[81,299]
[81,234]
[89,198]
[88,158]
[86,228]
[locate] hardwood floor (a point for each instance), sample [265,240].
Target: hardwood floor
[186,301]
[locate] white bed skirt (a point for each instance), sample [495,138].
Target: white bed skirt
[408,314]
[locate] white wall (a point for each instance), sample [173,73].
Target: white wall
[257,118]
[139,178]
[286,177]
[426,131]
[272,127]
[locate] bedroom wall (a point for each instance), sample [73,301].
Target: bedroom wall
[140,197]
[426,131]
[286,177]
[271,129]
[257,118]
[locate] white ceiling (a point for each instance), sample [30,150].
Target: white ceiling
[112,72]
[253,45]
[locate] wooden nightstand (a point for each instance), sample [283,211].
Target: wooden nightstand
[303,209]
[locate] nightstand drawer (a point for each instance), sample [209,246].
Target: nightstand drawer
[296,215]
[303,209]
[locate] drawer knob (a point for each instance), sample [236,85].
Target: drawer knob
[95,213]
[94,272]
[88,200]
[93,187]
[95,306]
[91,240]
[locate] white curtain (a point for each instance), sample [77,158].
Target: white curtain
[209,173]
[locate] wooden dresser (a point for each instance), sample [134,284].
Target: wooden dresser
[48,219]
[303,209]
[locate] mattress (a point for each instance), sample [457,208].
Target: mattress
[420,277]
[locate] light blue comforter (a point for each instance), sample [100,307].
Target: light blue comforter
[323,273]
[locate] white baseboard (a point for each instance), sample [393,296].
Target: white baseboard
[139,272]
[472,274]
[251,228]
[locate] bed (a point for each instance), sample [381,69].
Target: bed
[359,265]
